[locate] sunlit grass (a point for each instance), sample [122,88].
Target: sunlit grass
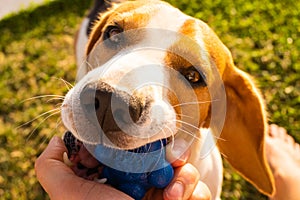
[36,50]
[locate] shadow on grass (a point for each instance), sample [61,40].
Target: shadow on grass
[35,45]
[15,26]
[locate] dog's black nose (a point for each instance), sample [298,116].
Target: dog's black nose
[109,108]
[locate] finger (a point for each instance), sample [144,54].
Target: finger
[154,193]
[178,153]
[55,149]
[60,182]
[49,166]
[53,155]
[201,192]
[183,184]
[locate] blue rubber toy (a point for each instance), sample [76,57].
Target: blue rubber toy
[152,156]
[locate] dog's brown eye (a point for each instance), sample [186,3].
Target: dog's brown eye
[112,34]
[194,76]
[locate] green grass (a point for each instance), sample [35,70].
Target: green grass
[36,50]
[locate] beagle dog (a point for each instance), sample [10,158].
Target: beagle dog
[147,72]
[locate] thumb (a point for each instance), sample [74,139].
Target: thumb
[178,153]
[183,184]
[55,149]
[49,166]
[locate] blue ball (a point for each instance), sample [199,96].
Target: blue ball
[162,177]
[123,177]
[137,184]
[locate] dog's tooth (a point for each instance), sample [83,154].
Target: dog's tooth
[66,160]
[102,180]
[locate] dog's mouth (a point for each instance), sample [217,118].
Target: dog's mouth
[119,139]
[87,165]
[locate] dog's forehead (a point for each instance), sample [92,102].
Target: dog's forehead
[162,16]
[205,45]
[148,14]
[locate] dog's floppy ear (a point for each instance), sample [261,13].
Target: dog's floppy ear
[96,33]
[243,136]
[104,9]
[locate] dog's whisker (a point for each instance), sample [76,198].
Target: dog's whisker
[81,65]
[90,67]
[190,125]
[197,128]
[160,153]
[54,99]
[182,115]
[41,115]
[159,157]
[43,96]
[84,63]
[194,103]
[190,134]
[224,155]
[172,135]
[218,138]
[50,115]
[58,105]
[58,122]
[97,61]
[67,84]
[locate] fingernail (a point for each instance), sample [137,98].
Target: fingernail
[175,191]
[56,142]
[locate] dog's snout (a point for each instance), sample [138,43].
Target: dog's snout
[109,108]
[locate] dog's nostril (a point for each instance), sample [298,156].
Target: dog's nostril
[135,111]
[96,103]
[121,114]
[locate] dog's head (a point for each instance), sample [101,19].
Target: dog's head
[151,74]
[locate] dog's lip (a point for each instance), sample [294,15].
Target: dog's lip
[111,136]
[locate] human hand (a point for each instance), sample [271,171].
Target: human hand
[60,182]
